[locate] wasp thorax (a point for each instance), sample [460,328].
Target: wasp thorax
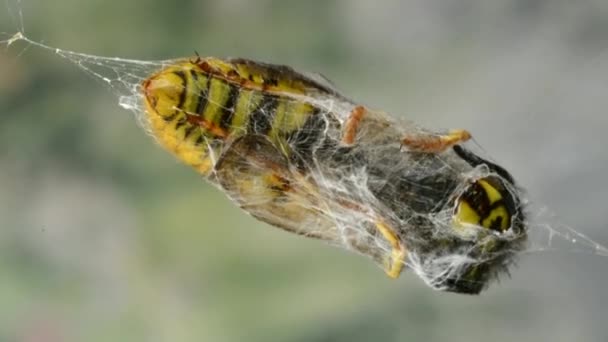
[485,203]
[165,93]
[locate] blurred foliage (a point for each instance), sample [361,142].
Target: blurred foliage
[104,237]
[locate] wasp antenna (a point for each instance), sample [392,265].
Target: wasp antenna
[198,58]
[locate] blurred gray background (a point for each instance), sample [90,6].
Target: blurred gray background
[105,237]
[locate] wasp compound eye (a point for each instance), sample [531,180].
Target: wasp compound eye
[486,203]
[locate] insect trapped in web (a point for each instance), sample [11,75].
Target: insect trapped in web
[292,151]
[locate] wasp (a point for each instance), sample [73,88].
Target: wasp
[293,152]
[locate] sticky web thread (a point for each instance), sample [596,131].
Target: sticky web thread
[124,78]
[121,76]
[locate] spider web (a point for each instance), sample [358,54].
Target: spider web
[124,78]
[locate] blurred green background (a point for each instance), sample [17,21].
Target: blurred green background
[105,237]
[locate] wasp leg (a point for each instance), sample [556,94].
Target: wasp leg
[206,125]
[352,124]
[394,265]
[428,143]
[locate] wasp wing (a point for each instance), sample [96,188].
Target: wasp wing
[256,175]
[310,83]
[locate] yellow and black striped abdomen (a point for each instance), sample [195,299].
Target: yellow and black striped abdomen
[193,112]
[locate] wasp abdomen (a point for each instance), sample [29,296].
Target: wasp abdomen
[196,106]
